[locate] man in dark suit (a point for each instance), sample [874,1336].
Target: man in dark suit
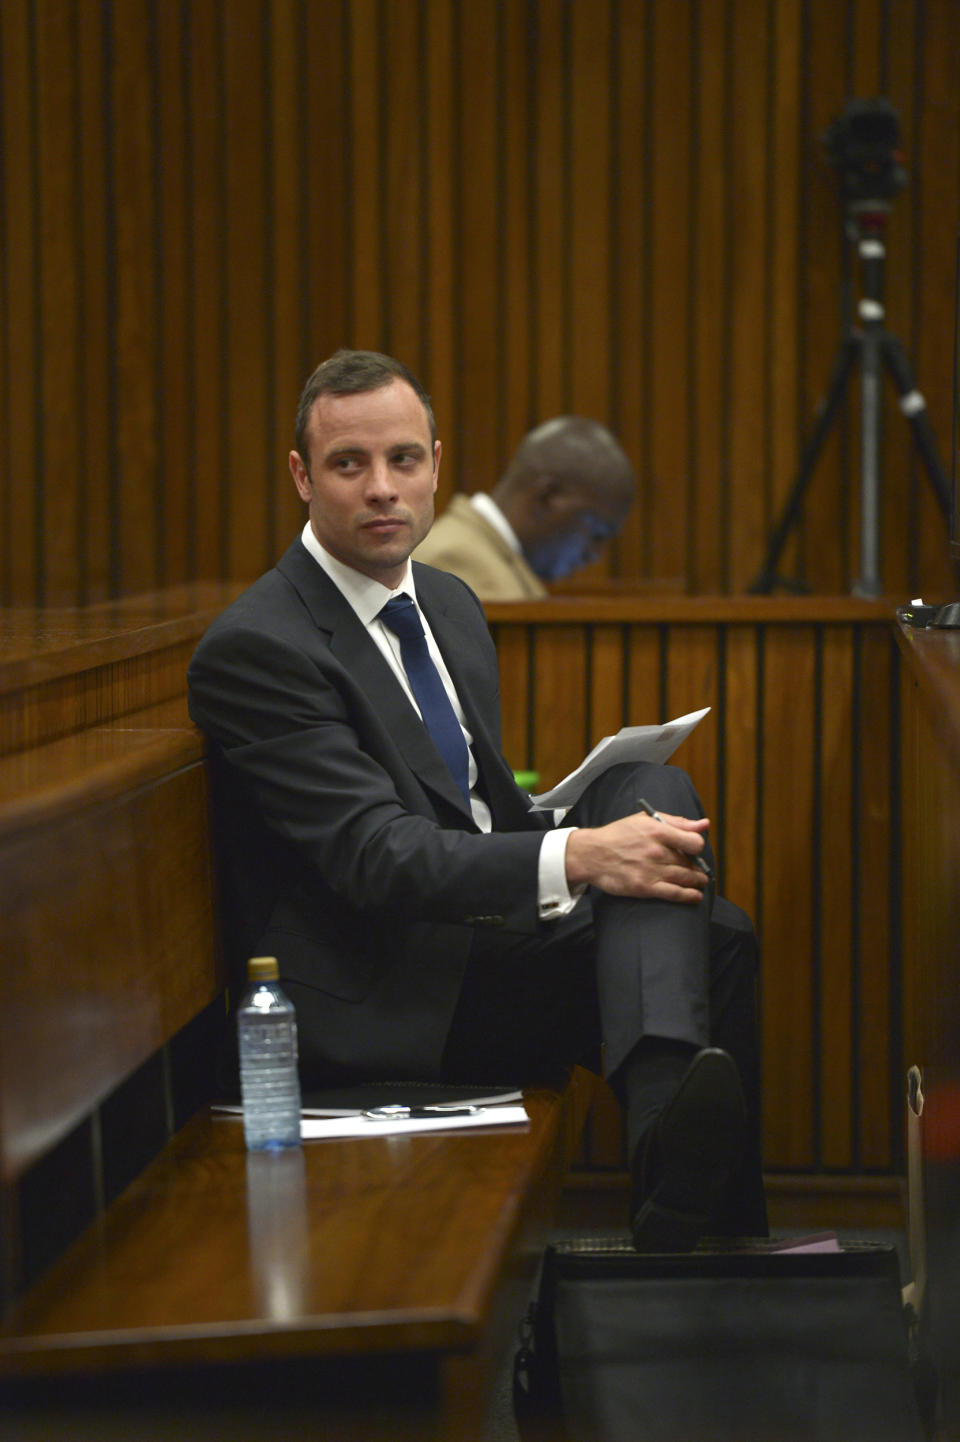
[428,923]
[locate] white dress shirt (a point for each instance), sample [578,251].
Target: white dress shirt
[494,517]
[367,598]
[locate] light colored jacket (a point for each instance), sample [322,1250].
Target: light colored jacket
[463,542]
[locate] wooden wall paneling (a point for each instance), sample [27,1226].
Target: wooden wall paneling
[248,287]
[911,886]
[213,481]
[590,175]
[912,899]
[133,162]
[749,396]
[479,320]
[782,161]
[516,702]
[187,976]
[326,229]
[646,703]
[95,450]
[629,394]
[607,675]
[825,527]
[287,243]
[670,278]
[101,1009]
[876,1004]
[175,521]
[902,475]
[836,848]
[550,202]
[694,681]
[560,701]
[517,409]
[55,467]
[603,1145]
[743,742]
[936,148]
[786,824]
[366,80]
[22,433]
[630,213]
[932,922]
[403,214]
[441,188]
[866,25]
[707,517]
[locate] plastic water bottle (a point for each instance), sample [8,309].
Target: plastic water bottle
[269,1083]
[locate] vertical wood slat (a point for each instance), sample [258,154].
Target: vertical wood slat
[874,1066]
[246,68]
[796,767]
[18,546]
[836,802]
[786,898]
[137,291]
[172,538]
[58,329]
[622,209]
[478,225]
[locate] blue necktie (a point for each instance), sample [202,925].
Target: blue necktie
[400,614]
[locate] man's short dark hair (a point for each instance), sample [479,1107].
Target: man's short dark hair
[348,373]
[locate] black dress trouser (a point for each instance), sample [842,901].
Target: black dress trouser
[588,987]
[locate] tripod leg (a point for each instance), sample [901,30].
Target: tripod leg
[914,407]
[868,582]
[843,364]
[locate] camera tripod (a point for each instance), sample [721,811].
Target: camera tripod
[873,346]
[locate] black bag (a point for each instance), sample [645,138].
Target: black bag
[724,1345]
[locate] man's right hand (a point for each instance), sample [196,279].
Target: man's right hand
[640,856]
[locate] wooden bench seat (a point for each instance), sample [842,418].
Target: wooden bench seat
[365,1270]
[380,1253]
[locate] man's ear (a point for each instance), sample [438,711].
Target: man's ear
[301,478]
[437,448]
[545,489]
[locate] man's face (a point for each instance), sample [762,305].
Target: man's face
[372,477]
[576,538]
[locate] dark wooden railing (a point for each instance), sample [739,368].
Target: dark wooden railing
[797,765]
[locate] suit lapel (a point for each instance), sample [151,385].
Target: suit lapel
[350,643]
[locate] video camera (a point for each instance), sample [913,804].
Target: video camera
[862,145]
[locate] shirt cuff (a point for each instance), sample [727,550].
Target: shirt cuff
[555,899]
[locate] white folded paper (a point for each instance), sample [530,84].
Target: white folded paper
[317,1129]
[631,743]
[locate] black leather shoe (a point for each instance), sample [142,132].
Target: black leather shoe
[688,1156]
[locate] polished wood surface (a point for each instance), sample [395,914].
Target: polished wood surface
[931,853]
[381,1244]
[66,670]
[931,959]
[934,672]
[110,939]
[618,209]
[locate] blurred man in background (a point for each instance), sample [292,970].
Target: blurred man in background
[565,494]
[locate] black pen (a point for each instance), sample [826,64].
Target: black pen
[398,1111]
[697,860]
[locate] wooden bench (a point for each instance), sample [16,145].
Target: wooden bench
[377,1278]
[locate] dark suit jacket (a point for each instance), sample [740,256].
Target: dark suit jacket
[348,851]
